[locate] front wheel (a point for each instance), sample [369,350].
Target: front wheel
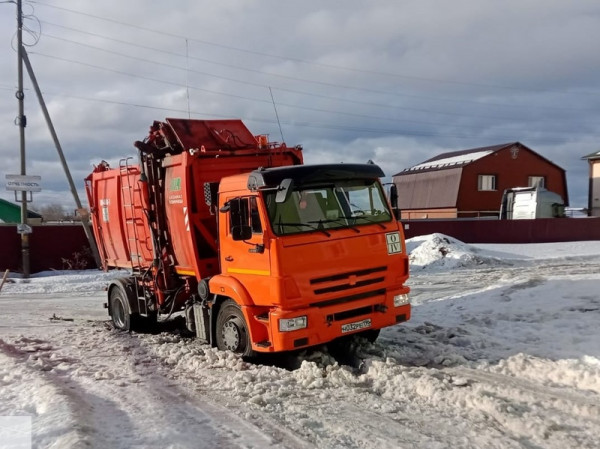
[371,334]
[231,330]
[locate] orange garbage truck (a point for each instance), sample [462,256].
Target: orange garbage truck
[259,252]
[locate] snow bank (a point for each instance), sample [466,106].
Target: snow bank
[442,252]
[439,251]
[61,281]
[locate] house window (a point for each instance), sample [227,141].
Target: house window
[486,182]
[537,181]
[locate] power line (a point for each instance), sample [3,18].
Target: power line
[259,100]
[171,66]
[148,78]
[307,62]
[301,124]
[387,93]
[288,90]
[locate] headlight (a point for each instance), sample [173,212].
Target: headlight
[292,324]
[401,300]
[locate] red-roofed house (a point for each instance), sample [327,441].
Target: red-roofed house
[470,183]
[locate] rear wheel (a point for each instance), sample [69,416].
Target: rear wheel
[119,310]
[231,330]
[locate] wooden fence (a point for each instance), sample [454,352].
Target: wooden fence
[51,246]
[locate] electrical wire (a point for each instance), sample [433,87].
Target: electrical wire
[295,106]
[33,33]
[263,100]
[307,62]
[366,129]
[300,124]
[242,97]
[290,78]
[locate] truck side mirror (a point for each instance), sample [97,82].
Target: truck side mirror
[243,232]
[284,190]
[394,196]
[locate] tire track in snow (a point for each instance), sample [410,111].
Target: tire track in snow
[248,431]
[335,406]
[566,400]
[112,395]
[204,381]
[431,285]
[531,413]
[58,418]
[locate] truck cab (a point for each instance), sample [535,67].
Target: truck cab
[310,254]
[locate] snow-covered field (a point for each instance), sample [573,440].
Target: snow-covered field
[502,351]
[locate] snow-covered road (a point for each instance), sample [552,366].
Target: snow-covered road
[503,350]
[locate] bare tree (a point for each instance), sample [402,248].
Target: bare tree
[54,212]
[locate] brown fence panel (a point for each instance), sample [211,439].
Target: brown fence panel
[58,247]
[540,230]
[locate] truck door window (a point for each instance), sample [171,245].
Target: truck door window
[254,216]
[248,214]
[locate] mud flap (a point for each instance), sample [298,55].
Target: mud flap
[202,322]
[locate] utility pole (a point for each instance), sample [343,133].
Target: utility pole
[22,123]
[63,161]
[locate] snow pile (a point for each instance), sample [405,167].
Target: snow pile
[439,251]
[62,281]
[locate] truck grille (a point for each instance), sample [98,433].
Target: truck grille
[347,282]
[350,298]
[348,275]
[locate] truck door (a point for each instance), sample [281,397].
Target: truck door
[243,252]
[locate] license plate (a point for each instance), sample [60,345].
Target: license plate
[356,326]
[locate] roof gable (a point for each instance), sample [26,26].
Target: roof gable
[456,159]
[592,156]
[11,212]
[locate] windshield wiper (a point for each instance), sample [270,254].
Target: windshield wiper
[369,220]
[336,220]
[316,228]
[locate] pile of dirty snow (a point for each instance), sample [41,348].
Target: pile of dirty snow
[442,251]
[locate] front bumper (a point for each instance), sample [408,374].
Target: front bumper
[330,321]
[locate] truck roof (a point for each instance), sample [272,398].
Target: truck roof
[303,174]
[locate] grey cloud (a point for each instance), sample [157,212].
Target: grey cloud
[426,77]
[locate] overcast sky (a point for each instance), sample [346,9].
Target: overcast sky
[393,81]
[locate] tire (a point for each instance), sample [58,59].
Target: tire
[371,335]
[119,310]
[147,323]
[231,330]
[346,343]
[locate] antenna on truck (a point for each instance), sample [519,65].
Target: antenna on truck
[276,114]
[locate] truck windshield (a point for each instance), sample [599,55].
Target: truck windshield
[319,207]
